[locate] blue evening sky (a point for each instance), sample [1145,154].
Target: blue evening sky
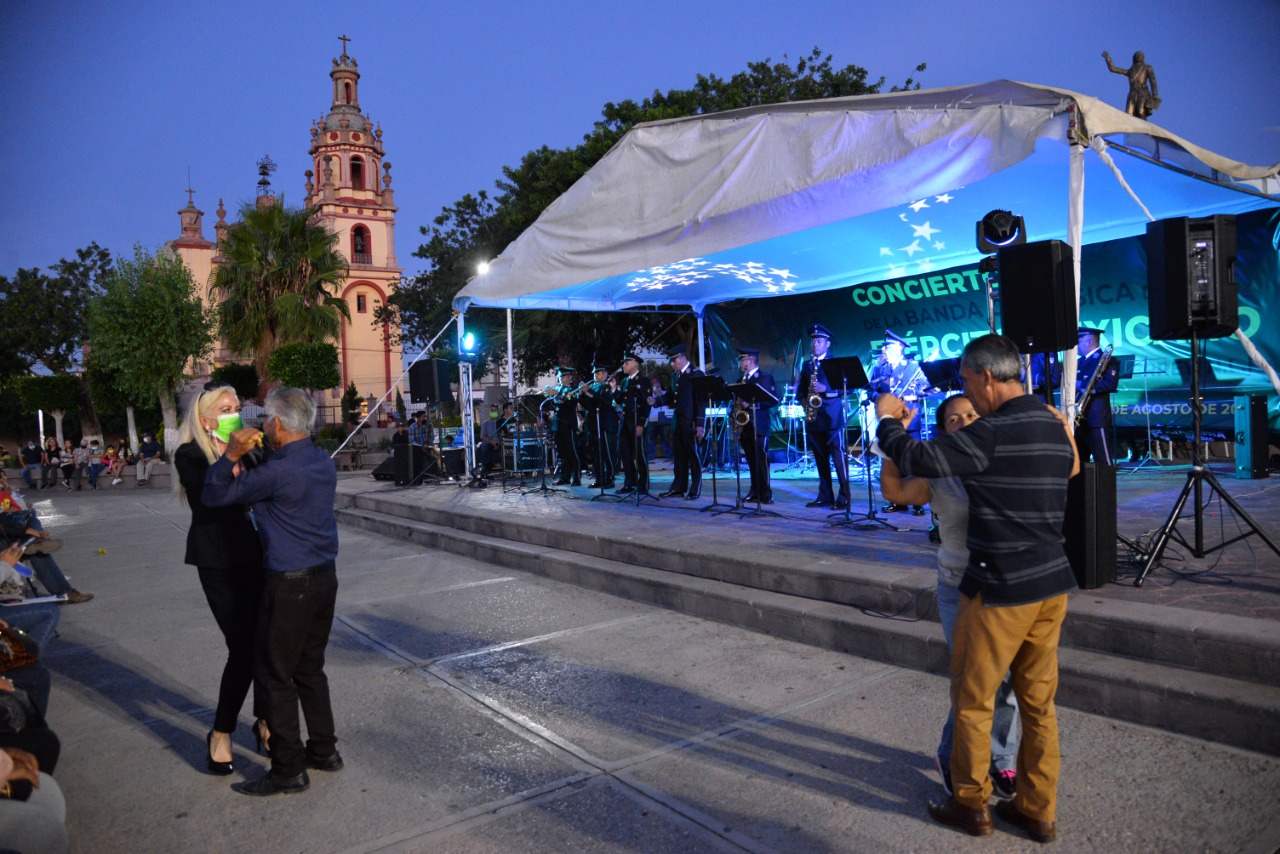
[109,104]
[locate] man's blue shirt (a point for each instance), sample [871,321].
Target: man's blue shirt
[292,497]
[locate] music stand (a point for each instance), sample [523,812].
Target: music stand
[942,374]
[544,436]
[754,396]
[848,373]
[713,390]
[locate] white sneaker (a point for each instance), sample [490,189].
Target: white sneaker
[117,480]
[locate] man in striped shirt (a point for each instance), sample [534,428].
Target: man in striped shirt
[1015,462]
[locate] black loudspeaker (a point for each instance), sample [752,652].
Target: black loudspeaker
[429,381]
[1090,525]
[402,464]
[1251,436]
[1191,277]
[455,461]
[1038,296]
[386,471]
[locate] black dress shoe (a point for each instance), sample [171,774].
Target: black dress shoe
[575,482]
[975,822]
[626,490]
[326,763]
[917,510]
[751,496]
[693,494]
[841,504]
[271,784]
[818,502]
[222,769]
[671,493]
[1040,831]
[892,507]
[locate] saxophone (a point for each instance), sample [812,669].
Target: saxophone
[1083,403]
[813,403]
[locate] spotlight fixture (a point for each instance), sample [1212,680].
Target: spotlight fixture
[468,353]
[482,268]
[999,229]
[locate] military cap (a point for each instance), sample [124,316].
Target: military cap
[817,330]
[1088,330]
[749,351]
[893,338]
[677,350]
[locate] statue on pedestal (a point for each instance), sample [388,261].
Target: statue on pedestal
[1144,96]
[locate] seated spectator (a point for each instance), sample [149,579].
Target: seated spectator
[97,462]
[32,461]
[115,464]
[82,462]
[148,457]
[36,822]
[52,464]
[68,463]
[40,621]
[38,553]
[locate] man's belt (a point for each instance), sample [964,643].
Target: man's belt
[318,569]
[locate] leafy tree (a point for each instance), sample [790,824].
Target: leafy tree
[279,281]
[478,227]
[242,378]
[312,366]
[401,412]
[351,404]
[147,326]
[56,394]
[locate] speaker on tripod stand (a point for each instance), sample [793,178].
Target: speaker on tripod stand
[1191,294]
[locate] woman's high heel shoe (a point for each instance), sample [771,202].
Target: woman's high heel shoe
[222,769]
[264,741]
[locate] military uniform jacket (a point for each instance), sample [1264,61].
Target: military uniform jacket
[765,381]
[831,416]
[1098,412]
[682,402]
[567,415]
[633,397]
[906,380]
[600,401]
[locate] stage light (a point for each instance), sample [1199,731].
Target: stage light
[999,229]
[482,267]
[467,352]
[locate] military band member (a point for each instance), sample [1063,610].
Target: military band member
[1095,419]
[826,428]
[754,436]
[566,427]
[632,396]
[897,375]
[686,427]
[602,425]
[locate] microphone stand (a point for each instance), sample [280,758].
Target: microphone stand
[544,438]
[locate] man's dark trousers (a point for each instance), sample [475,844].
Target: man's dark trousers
[293,631]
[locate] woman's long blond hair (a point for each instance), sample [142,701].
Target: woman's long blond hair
[193,431]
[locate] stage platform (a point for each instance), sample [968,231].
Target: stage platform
[1195,650]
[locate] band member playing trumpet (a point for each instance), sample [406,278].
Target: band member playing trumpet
[633,399]
[602,424]
[566,427]
[687,429]
[1095,415]
[826,422]
[754,435]
[897,375]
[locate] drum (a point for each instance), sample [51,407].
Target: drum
[791,410]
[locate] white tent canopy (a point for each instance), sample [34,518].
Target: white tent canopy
[806,196]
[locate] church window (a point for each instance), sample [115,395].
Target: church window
[357,173]
[346,89]
[362,306]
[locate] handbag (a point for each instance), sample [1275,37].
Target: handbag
[17,649]
[16,711]
[15,523]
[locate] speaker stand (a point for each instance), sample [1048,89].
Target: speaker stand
[1197,478]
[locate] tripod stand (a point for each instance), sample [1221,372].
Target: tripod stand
[1196,480]
[544,438]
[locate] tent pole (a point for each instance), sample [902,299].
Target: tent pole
[1075,233]
[511,357]
[465,404]
[702,343]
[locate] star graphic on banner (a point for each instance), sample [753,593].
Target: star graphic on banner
[926,231]
[944,198]
[918,206]
[788,287]
[912,249]
[896,272]
[938,245]
[902,217]
[773,289]
[925,266]
[885,250]
[784,274]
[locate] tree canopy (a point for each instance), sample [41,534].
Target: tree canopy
[147,326]
[279,282]
[478,226]
[312,366]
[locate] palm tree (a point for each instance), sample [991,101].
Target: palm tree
[278,281]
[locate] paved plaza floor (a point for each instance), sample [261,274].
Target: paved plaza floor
[481,709]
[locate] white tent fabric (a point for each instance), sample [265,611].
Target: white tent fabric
[807,196]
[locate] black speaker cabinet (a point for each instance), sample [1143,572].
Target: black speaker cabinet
[1038,296]
[524,455]
[429,381]
[385,470]
[1191,277]
[455,461]
[1252,447]
[1090,525]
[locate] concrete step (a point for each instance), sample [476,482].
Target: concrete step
[1214,707]
[1216,644]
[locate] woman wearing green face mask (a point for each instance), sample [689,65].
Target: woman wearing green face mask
[223,546]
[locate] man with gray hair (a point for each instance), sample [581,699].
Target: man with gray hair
[1015,462]
[291,504]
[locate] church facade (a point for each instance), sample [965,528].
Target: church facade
[349,185]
